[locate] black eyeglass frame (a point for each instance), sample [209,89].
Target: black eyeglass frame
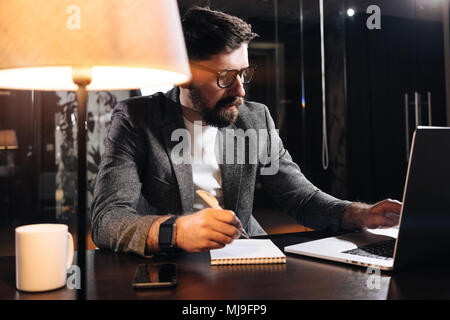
[217,73]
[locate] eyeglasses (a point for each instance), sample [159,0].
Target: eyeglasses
[226,78]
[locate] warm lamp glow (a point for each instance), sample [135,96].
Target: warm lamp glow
[44,78]
[130,78]
[103,78]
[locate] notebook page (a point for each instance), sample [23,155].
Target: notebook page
[248,250]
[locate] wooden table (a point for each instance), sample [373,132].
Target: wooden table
[110,275]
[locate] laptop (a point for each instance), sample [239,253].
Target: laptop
[423,232]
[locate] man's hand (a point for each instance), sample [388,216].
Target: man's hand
[385,213]
[206,229]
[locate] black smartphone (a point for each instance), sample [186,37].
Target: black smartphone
[155,275]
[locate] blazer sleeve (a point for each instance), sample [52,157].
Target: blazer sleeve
[293,192]
[115,222]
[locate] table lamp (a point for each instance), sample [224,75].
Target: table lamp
[8,141]
[85,45]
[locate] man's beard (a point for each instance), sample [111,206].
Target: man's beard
[218,116]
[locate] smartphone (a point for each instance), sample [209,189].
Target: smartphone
[155,275]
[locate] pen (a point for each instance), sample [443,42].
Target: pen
[213,203]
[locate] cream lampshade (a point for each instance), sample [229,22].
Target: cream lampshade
[90,45]
[124,44]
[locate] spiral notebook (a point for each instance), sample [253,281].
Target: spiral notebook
[248,251]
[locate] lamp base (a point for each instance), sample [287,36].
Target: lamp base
[81,77]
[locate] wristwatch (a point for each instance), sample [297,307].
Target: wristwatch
[166,239]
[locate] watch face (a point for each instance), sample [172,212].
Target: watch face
[166,233]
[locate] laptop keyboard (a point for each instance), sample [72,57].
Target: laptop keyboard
[380,250]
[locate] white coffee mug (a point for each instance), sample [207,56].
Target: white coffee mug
[44,252]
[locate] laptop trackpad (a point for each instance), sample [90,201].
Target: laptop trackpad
[335,245]
[369,236]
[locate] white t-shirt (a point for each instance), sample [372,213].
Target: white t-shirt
[205,166]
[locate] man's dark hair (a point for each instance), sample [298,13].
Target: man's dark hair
[208,32]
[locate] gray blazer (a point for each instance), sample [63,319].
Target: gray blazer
[139,181]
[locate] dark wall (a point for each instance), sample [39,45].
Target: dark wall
[368,73]
[405,56]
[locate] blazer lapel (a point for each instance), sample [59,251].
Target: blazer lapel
[183,171]
[231,172]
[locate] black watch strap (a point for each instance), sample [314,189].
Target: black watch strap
[166,234]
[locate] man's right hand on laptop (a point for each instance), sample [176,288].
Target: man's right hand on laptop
[385,213]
